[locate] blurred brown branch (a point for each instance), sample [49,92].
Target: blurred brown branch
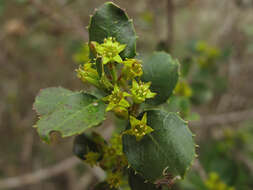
[170,12]
[37,176]
[46,173]
[63,166]
[245,161]
[197,166]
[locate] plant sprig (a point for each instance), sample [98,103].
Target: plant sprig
[152,140]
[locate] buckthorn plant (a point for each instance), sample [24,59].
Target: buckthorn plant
[156,149]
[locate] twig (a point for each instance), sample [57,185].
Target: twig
[86,179]
[223,119]
[46,173]
[170,12]
[244,160]
[37,176]
[49,172]
[199,168]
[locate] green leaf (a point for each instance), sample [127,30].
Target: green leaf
[136,182]
[162,71]
[67,112]
[111,21]
[169,148]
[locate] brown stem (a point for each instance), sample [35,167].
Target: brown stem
[170,12]
[135,109]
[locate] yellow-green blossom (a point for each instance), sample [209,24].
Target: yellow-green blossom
[132,68]
[109,50]
[113,157]
[183,89]
[208,54]
[115,179]
[106,82]
[92,158]
[139,128]
[140,91]
[117,100]
[215,183]
[88,74]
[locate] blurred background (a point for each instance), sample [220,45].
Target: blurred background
[41,43]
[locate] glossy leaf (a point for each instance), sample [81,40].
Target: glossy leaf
[111,21]
[169,148]
[162,71]
[67,112]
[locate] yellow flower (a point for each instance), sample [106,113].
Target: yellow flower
[183,89]
[117,99]
[140,91]
[92,158]
[132,68]
[114,179]
[215,183]
[139,128]
[109,50]
[88,74]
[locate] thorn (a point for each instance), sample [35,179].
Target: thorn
[146,181]
[128,166]
[135,173]
[197,145]
[196,156]
[193,135]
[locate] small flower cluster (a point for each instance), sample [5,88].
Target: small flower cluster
[120,79]
[207,55]
[110,157]
[215,183]
[183,89]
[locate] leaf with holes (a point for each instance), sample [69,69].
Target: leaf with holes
[170,148]
[67,112]
[111,21]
